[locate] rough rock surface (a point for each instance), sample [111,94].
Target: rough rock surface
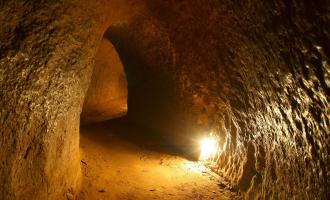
[45,64]
[47,50]
[255,73]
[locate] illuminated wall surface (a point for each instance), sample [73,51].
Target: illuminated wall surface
[253,73]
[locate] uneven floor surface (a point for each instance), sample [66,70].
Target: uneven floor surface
[120,164]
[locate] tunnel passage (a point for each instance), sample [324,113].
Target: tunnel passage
[125,83]
[259,84]
[154,98]
[107,94]
[255,73]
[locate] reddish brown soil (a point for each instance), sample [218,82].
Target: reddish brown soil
[115,168]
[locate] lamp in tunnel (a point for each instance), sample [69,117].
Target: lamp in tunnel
[208,148]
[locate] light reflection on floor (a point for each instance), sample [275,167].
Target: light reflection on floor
[117,169]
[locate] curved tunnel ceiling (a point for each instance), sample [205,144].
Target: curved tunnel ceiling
[254,73]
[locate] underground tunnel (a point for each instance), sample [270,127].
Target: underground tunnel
[152,99]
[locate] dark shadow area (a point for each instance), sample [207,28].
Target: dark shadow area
[152,99]
[151,89]
[124,129]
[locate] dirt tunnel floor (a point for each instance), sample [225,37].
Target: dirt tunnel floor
[116,167]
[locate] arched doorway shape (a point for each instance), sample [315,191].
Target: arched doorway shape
[107,94]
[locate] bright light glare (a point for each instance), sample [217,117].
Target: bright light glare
[208,148]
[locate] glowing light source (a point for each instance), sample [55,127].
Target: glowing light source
[208,148]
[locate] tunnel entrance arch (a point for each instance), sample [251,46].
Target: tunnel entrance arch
[107,94]
[146,58]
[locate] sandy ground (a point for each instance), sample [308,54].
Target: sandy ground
[115,167]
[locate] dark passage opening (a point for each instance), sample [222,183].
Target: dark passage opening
[122,99]
[126,116]
[107,94]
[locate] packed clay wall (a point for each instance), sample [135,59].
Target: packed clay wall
[254,73]
[47,54]
[44,67]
